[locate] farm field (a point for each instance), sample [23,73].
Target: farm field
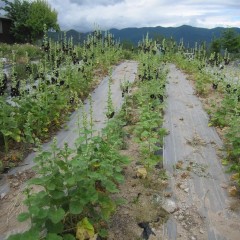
[119,144]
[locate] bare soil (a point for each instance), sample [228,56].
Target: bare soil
[12,204]
[143,201]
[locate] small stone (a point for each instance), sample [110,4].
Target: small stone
[164,183]
[167,194]
[184,175]
[3,60]
[157,198]
[225,186]
[15,184]
[201,231]
[3,195]
[126,212]
[193,238]
[180,217]
[181,186]
[186,190]
[176,213]
[170,206]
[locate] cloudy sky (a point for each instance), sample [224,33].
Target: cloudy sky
[84,15]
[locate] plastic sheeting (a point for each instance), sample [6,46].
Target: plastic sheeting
[190,139]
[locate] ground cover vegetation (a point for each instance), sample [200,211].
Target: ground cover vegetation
[39,101]
[76,185]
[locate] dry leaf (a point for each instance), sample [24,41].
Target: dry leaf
[179,164]
[235,176]
[184,175]
[141,172]
[85,230]
[232,191]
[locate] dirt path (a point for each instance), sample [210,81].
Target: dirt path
[197,178]
[11,189]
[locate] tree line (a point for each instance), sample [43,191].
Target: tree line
[30,18]
[229,40]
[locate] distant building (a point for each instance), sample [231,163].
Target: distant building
[5,25]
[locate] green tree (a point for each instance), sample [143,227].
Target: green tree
[158,37]
[215,45]
[40,14]
[29,18]
[127,44]
[231,40]
[18,11]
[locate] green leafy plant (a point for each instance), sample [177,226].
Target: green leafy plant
[54,85]
[150,103]
[9,128]
[75,184]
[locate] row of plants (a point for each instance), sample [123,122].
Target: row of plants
[224,106]
[6,50]
[33,107]
[76,185]
[144,108]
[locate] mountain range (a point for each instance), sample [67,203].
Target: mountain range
[190,35]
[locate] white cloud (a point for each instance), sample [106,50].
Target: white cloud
[83,15]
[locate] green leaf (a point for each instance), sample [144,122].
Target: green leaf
[118,169]
[56,215]
[125,160]
[103,233]
[54,228]
[6,133]
[34,210]
[16,137]
[145,134]
[36,181]
[119,177]
[75,207]
[32,234]
[110,186]
[71,181]
[15,237]
[53,236]
[23,216]
[62,165]
[120,201]
[57,194]
[107,209]
[51,186]
[68,237]
[42,213]
[225,162]
[94,197]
